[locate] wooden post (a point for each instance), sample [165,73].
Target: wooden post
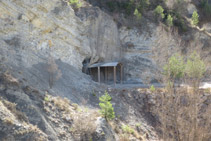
[106,74]
[121,73]
[98,74]
[114,75]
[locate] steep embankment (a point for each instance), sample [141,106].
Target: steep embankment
[32,30]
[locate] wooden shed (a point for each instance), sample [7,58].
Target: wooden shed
[107,72]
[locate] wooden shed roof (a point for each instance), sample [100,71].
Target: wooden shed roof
[108,64]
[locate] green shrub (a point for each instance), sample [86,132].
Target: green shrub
[195,18]
[127,129]
[169,20]
[195,67]
[174,69]
[159,11]
[137,14]
[107,109]
[152,88]
[138,124]
[75,3]
[46,99]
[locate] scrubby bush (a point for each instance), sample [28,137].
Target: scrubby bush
[107,109]
[137,14]
[127,129]
[84,125]
[195,67]
[152,88]
[75,3]
[159,11]
[169,20]
[174,69]
[195,18]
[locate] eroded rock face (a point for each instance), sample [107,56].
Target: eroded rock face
[104,131]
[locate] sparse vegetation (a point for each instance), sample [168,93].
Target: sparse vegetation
[174,69]
[124,137]
[53,71]
[127,129]
[195,18]
[12,107]
[62,104]
[180,120]
[159,11]
[107,109]
[138,124]
[46,99]
[195,68]
[152,88]
[75,3]
[137,14]
[169,20]
[84,125]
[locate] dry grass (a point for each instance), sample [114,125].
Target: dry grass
[84,125]
[12,107]
[124,137]
[8,78]
[62,104]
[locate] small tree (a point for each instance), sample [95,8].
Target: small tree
[195,69]
[152,88]
[137,14]
[169,20]
[107,110]
[195,18]
[174,69]
[159,11]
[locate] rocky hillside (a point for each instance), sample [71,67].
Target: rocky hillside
[35,34]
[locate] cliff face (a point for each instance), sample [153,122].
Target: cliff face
[32,25]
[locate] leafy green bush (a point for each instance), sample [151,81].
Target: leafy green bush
[137,14]
[159,11]
[127,129]
[107,109]
[75,3]
[195,18]
[169,20]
